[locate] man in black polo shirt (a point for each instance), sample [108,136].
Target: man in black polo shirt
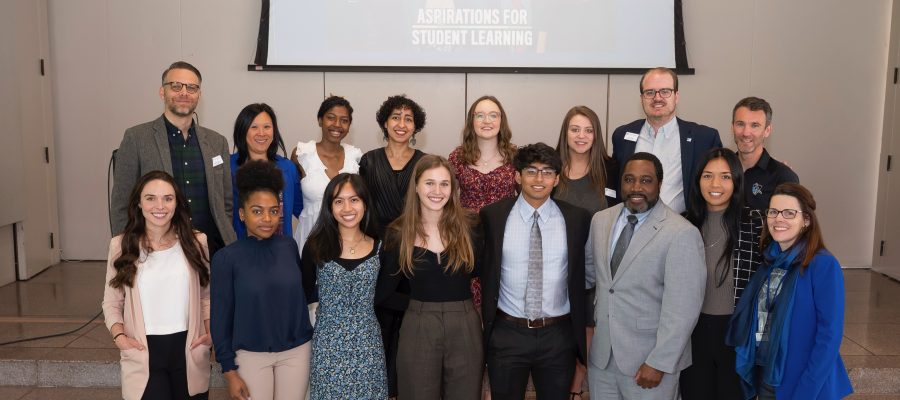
[751,123]
[195,156]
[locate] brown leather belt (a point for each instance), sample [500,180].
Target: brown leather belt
[532,323]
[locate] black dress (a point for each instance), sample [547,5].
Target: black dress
[386,185]
[387,188]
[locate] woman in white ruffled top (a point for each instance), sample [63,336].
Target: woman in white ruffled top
[321,161]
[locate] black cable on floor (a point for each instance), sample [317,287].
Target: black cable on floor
[53,335]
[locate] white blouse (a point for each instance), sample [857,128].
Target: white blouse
[163,281]
[313,184]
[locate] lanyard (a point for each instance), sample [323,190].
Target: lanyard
[770,300]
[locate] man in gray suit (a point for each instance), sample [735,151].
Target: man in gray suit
[651,275]
[195,156]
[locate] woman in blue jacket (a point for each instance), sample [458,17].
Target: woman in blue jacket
[788,324]
[256,137]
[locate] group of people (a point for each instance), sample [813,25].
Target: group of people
[413,276]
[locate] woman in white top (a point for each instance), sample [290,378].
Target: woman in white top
[156,297]
[320,161]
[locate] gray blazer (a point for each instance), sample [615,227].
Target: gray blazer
[647,312]
[145,148]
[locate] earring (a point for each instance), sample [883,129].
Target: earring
[412,140]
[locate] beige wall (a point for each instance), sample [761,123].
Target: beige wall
[7,255]
[821,63]
[27,180]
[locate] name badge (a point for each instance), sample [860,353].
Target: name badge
[217,161]
[631,136]
[610,193]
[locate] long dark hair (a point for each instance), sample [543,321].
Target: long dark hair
[242,124]
[598,158]
[811,236]
[134,236]
[324,241]
[731,218]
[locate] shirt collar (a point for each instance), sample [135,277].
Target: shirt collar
[640,216]
[171,129]
[666,130]
[526,210]
[763,161]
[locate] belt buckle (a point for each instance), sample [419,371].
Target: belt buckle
[534,323]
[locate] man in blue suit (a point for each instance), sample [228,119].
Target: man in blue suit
[679,144]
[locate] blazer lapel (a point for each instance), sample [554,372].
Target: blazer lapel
[572,248]
[629,146]
[162,144]
[604,253]
[644,234]
[687,154]
[500,217]
[207,153]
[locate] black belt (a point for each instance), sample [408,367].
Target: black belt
[532,323]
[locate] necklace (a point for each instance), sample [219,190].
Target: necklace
[485,162]
[708,246]
[355,243]
[163,242]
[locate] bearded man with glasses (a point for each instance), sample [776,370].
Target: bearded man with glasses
[679,144]
[195,156]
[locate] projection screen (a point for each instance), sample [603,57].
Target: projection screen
[593,36]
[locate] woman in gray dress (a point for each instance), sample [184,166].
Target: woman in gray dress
[590,180]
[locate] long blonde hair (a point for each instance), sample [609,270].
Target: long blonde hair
[454,226]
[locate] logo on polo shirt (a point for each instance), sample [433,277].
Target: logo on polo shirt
[757,189]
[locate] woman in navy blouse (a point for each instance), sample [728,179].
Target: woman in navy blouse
[260,323]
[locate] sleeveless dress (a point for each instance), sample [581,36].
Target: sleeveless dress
[348,356]
[314,183]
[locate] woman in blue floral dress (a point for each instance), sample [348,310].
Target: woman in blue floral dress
[340,267]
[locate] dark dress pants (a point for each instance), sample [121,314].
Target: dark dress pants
[168,368]
[712,373]
[547,354]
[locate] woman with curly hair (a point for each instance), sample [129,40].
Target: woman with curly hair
[387,171]
[260,323]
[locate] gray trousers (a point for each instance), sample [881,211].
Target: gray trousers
[440,352]
[611,383]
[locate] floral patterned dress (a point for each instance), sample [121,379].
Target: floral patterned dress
[477,189]
[348,355]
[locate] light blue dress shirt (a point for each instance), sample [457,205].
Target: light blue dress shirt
[514,261]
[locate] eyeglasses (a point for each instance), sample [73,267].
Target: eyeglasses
[786,213]
[532,172]
[176,86]
[490,117]
[651,93]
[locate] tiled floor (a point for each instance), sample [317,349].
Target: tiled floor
[60,299]
[29,393]
[67,296]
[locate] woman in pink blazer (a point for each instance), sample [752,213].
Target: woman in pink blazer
[156,299]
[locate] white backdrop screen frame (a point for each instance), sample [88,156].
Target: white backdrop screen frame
[501,36]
